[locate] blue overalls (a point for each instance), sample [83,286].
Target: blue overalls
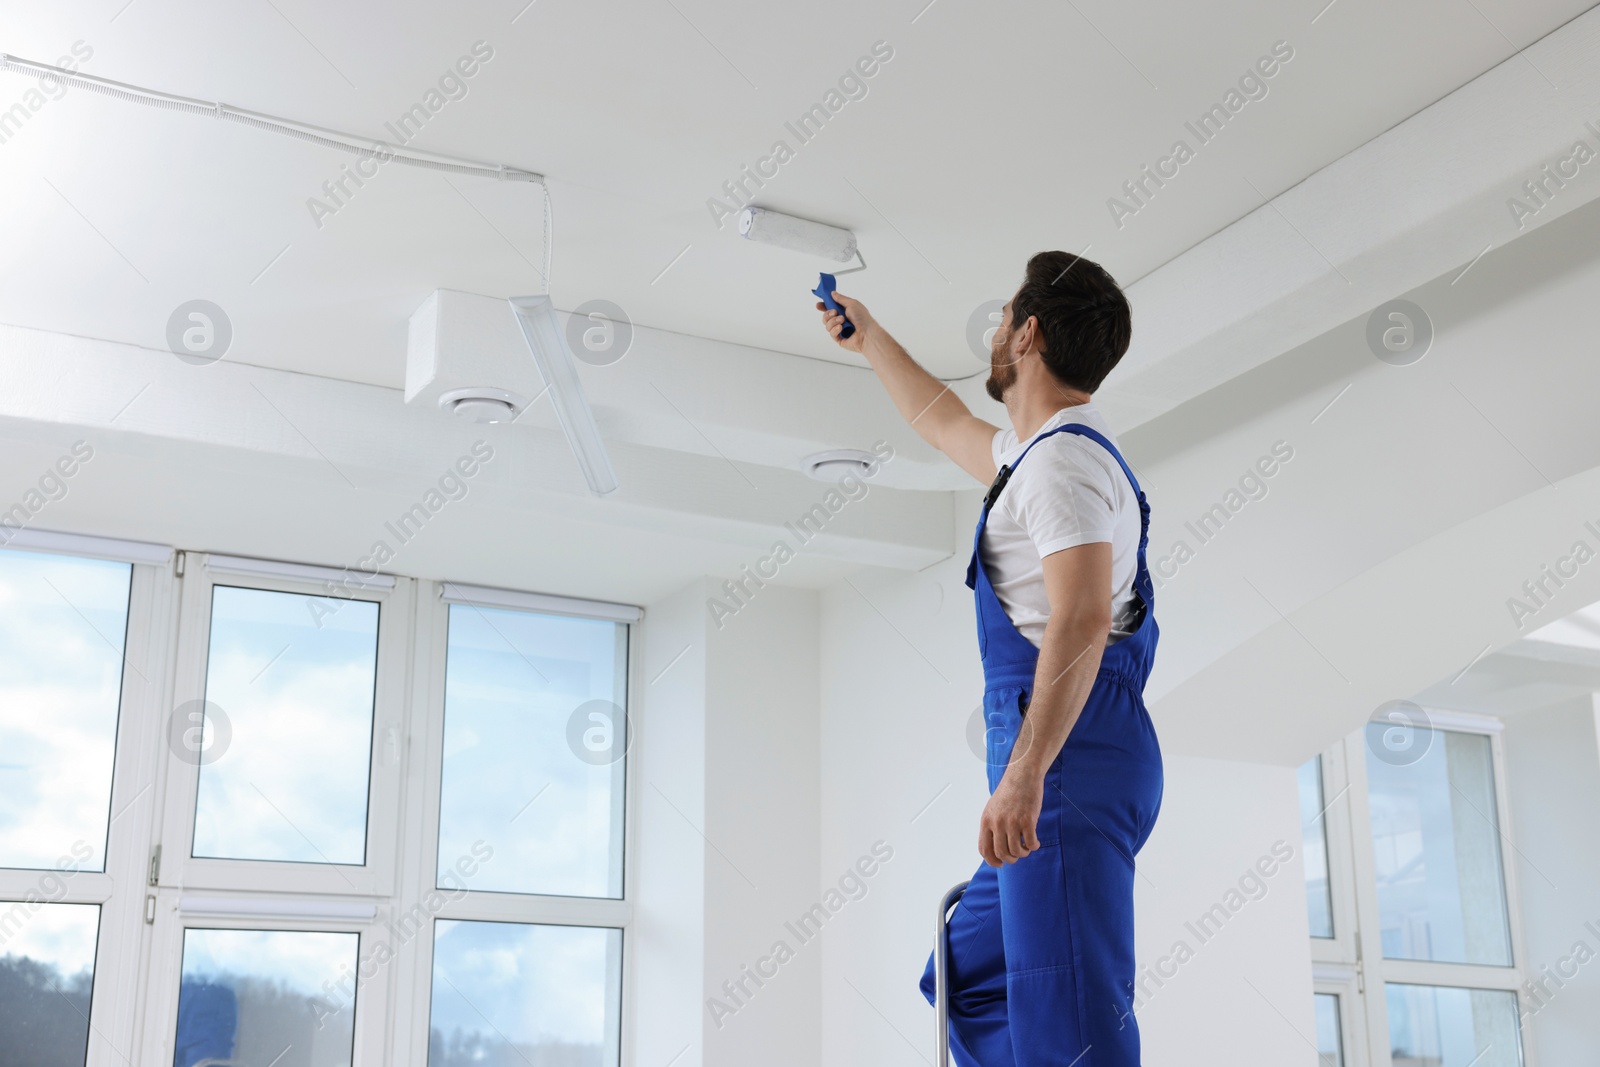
[1041,950]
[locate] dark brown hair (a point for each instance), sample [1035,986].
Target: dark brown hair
[1084,319]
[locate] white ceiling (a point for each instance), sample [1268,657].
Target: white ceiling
[991,134]
[979,143]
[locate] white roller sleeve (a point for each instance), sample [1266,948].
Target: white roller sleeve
[797,235]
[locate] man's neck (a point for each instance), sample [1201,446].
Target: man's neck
[1032,410]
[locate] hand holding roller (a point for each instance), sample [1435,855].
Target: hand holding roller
[812,238]
[824,293]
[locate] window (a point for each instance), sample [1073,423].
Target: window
[290,819]
[1431,1025]
[1330,1041]
[528,939]
[291,694]
[258,996]
[1314,847]
[534,737]
[62,624]
[46,975]
[516,993]
[63,631]
[1436,852]
[1414,938]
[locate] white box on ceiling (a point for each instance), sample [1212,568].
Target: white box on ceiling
[466,341]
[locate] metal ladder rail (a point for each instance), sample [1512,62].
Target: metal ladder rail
[941,974]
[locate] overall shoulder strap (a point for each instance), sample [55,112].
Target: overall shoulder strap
[1142,582]
[1006,470]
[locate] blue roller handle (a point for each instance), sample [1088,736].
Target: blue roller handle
[824,293]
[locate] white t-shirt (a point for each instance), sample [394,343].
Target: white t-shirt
[1069,491]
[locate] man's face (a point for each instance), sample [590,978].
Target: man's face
[1002,361]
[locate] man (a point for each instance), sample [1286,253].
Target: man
[1041,945]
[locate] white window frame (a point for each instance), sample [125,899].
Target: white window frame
[1352,873]
[421,861]
[376,877]
[145,908]
[1341,980]
[236,894]
[120,944]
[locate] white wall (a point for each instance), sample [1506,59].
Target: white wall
[1245,994]
[668,881]
[727,831]
[762,828]
[900,684]
[1553,785]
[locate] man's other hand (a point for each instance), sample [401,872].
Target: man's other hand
[1009,828]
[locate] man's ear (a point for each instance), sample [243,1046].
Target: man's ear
[1028,336]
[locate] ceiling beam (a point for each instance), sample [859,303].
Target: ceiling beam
[1422,199]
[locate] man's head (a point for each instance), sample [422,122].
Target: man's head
[1070,317]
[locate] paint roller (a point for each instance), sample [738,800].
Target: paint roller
[812,238]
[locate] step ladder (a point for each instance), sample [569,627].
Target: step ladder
[941,974]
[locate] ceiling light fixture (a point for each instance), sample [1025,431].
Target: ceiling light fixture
[486,404]
[547,341]
[836,463]
[535,314]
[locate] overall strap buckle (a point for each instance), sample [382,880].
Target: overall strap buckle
[996,486]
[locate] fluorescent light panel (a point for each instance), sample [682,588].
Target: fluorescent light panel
[536,315]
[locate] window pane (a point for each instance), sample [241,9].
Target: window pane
[62,623]
[1431,1026]
[534,739]
[288,720]
[266,997]
[1330,1046]
[1436,841]
[509,995]
[1314,847]
[46,974]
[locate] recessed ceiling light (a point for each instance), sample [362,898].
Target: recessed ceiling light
[483,404]
[836,463]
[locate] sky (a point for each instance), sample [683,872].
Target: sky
[298,699]
[531,983]
[512,777]
[62,624]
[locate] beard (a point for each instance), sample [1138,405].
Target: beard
[1002,375]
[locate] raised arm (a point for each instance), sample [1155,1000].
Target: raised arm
[924,401]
